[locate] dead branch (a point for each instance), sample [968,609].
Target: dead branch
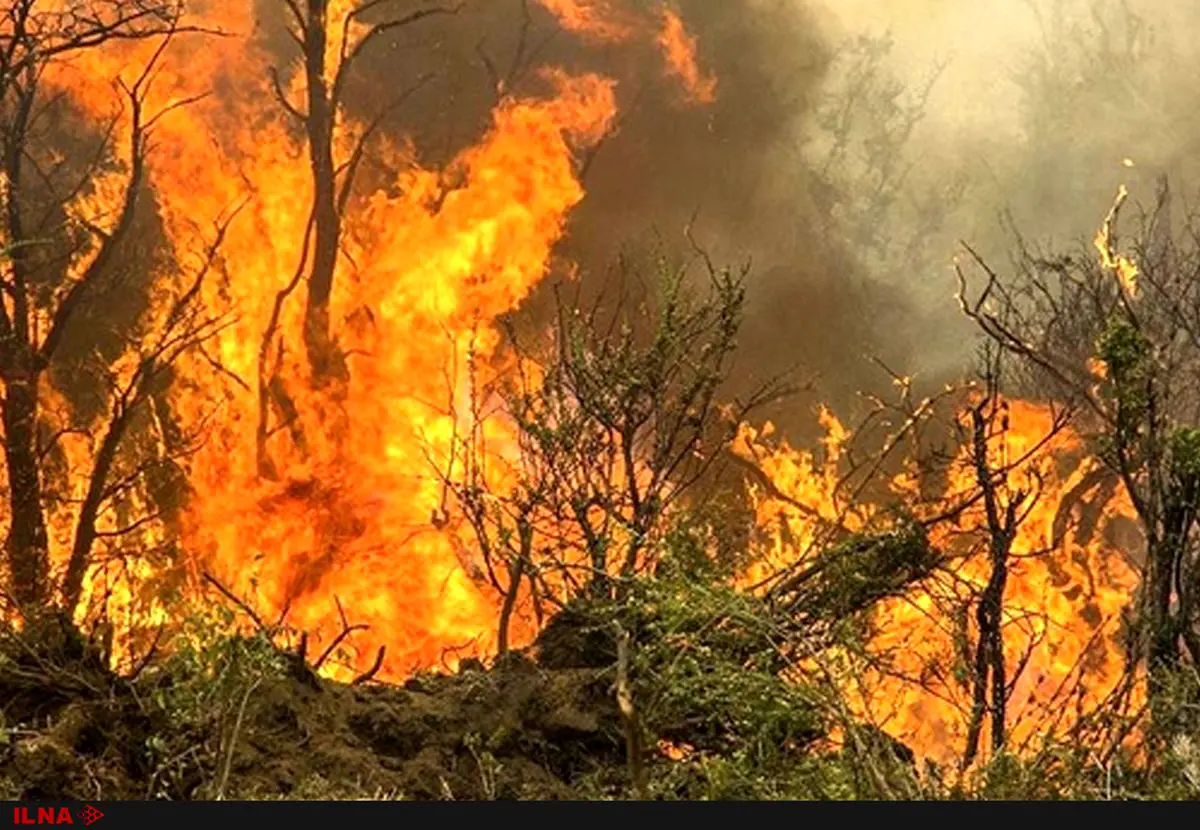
[347,630]
[241,604]
[370,673]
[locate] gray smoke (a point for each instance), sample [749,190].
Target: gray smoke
[734,167]
[1039,109]
[1035,108]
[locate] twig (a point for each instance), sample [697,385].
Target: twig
[228,594]
[371,672]
[629,714]
[237,726]
[147,657]
[337,641]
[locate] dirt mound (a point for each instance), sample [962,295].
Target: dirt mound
[71,729]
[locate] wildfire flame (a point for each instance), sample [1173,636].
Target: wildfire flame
[431,259]
[679,50]
[1125,268]
[601,20]
[1069,582]
[609,22]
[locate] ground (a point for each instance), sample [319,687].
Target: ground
[73,730]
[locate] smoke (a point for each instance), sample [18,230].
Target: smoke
[735,169]
[732,170]
[1041,110]
[1033,110]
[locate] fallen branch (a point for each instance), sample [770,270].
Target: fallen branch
[371,672]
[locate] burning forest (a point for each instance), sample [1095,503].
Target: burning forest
[596,399]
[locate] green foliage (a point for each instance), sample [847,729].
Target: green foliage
[1125,352]
[621,420]
[206,685]
[742,777]
[1063,771]
[864,569]
[1124,349]
[708,665]
[707,669]
[1184,446]
[208,665]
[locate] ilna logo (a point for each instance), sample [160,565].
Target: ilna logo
[86,815]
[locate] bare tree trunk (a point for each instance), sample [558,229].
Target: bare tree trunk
[1169,600]
[85,528]
[1162,652]
[324,361]
[28,543]
[990,681]
[1165,624]
[631,719]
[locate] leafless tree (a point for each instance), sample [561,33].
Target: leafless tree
[868,543]
[58,267]
[1116,331]
[325,87]
[862,144]
[1005,507]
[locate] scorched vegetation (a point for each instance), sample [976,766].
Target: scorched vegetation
[330,472]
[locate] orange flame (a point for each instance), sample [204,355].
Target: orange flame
[1068,586]
[679,51]
[600,20]
[606,21]
[349,519]
[1123,267]
[354,519]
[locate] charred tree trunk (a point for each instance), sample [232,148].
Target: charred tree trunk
[325,363]
[1169,596]
[86,531]
[1162,652]
[990,678]
[516,573]
[28,543]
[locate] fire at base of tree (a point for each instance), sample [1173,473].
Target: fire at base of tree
[329,471]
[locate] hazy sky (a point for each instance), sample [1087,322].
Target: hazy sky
[982,39]
[976,109]
[985,41]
